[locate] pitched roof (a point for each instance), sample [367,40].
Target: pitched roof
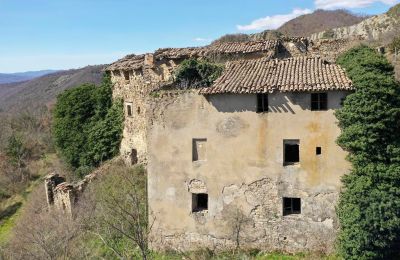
[129,62]
[294,74]
[136,61]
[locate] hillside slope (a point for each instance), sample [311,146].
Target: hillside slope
[320,20]
[42,91]
[302,26]
[380,28]
[23,76]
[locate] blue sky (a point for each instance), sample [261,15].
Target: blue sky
[63,34]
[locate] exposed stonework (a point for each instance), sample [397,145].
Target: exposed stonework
[136,76]
[214,163]
[63,195]
[243,174]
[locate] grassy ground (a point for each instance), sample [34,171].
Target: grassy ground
[10,209]
[252,255]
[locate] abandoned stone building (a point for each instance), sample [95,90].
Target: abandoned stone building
[251,160]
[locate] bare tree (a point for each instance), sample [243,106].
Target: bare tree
[237,221]
[130,214]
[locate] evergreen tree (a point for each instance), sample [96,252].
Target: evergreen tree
[88,125]
[369,205]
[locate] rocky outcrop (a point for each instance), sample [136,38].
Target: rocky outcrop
[373,28]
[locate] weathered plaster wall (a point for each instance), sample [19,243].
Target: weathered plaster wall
[243,172]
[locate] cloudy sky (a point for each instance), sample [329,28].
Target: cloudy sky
[63,34]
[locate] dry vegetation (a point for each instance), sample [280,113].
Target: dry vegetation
[320,20]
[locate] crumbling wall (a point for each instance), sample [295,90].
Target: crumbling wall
[62,195]
[243,173]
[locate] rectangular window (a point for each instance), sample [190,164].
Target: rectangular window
[318,150]
[126,75]
[291,153]
[262,103]
[319,101]
[199,202]
[129,109]
[291,206]
[199,149]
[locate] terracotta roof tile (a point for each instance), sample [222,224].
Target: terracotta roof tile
[293,74]
[129,62]
[136,61]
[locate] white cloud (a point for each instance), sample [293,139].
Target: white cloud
[334,4]
[201,40]
[272,22]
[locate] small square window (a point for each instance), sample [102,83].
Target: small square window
[319,101]
[262,103]
[291,153]
[318,150]
[199,202]
[199,149]
[291,206]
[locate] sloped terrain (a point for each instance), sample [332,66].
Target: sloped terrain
[42,91]
[380,28]
[23,76]
[320,20]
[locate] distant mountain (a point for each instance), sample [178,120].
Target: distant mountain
[23,76]
[320,20]
[302,26]
[379,28]
[38,92]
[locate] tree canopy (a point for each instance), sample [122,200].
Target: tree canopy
[88,124]
[369,205]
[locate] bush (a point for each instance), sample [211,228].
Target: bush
[369,205]
[395,45]
[194,73]
[238,37]
[87,125]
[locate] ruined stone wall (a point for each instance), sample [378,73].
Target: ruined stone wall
[62,195]
[241,169]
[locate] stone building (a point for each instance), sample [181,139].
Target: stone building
[249,161]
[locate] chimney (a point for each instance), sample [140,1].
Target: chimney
[149,60]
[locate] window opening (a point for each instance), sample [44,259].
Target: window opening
[291,152]
[291,206]
[319,101]
[262,103]
[199,202]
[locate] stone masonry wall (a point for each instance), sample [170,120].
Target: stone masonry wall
[242,172]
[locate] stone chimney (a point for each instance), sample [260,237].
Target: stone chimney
[149,60]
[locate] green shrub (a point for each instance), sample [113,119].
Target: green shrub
[369,205]
[88,125]
[194,73]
